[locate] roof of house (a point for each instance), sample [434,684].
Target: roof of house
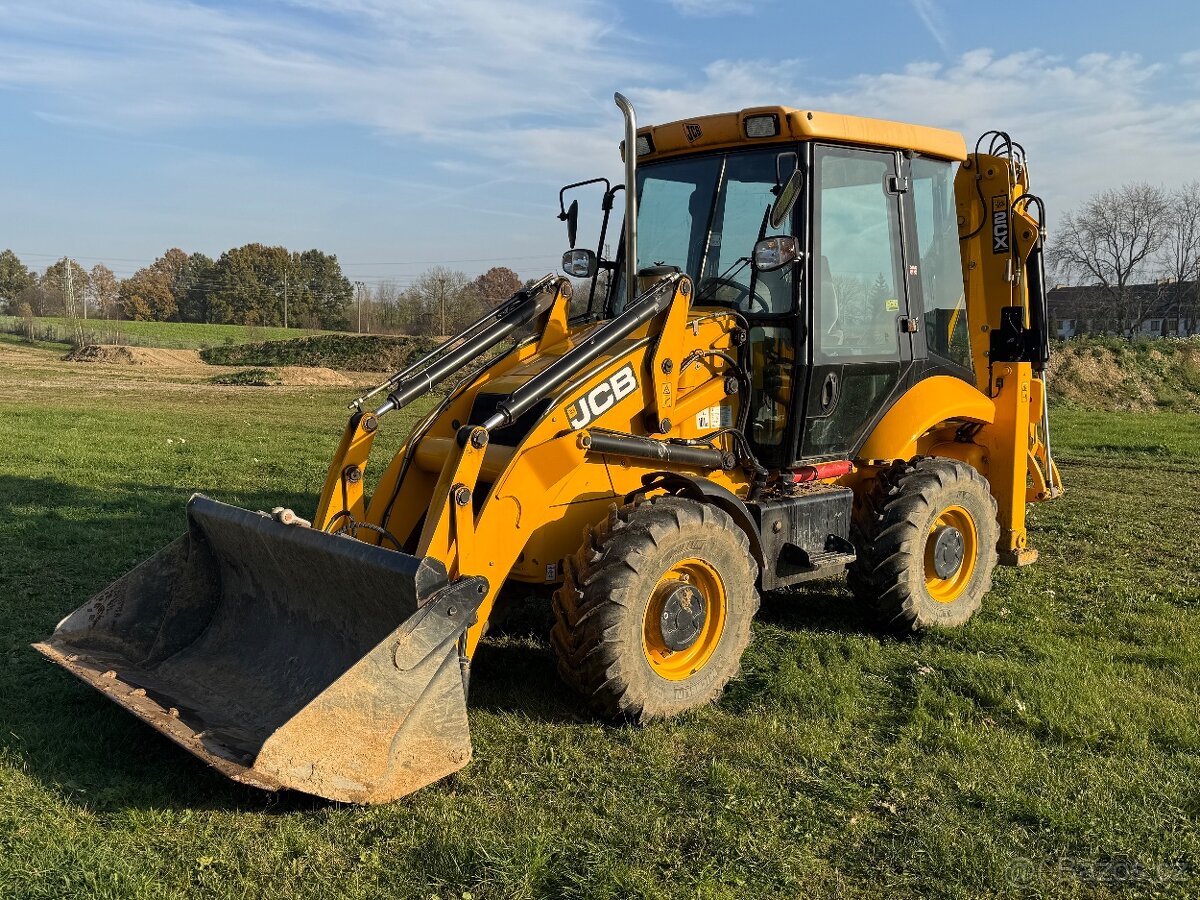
[1157,299]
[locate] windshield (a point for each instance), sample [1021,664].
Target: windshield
[704,215]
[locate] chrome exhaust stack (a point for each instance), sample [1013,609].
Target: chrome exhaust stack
[631,266]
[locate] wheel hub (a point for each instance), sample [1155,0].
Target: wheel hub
[948,551]
[683,615]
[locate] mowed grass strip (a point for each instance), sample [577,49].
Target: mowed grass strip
[1049,748]
[175,335]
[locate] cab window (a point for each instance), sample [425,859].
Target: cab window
[946,332]
[858,288]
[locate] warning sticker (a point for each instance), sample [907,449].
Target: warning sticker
[892,305]
[719,416]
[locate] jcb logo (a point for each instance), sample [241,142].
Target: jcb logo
[999,224]
[601,398]
[692,132]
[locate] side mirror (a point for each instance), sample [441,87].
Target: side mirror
[580,263]
[572,223]
[787,198]
[775,252]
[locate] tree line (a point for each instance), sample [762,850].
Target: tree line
[253,285]
[1125,237]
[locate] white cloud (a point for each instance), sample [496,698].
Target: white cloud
[1089,124]
[406,67]
[527,85]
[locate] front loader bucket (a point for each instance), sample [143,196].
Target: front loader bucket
[285,657]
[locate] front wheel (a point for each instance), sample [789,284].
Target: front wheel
[926,539]
[655,610]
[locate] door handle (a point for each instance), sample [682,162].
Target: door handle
[828,391]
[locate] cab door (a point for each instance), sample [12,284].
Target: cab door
[860,347]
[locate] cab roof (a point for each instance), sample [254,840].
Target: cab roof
[728,130]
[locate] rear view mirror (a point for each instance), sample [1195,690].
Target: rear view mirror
[775,252]
[572,223]
[787,198]
[580,263]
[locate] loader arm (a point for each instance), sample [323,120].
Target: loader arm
[487,500]
[341,502]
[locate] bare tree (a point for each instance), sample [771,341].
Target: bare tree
[1179,259]
[440,301]
[102,291]
[1109,241]
[386,303]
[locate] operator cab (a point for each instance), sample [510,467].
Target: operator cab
[859,296]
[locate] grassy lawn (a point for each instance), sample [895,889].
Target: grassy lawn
[176,335]
[1049,748]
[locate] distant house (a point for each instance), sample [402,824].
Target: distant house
[1164,308]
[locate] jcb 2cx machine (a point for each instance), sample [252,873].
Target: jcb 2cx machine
[821,346]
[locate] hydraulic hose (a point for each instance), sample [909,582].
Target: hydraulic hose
[641,310]
[504,322]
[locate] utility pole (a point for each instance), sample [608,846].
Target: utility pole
[285,287]
[69,302]
[361,286]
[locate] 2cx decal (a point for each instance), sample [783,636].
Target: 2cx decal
[601,398]
[1000,224]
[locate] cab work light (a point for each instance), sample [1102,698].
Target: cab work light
[644,145]
[762,126]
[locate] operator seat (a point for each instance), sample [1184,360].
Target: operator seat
[827,295]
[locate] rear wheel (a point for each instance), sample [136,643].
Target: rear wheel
[926,539]
[655,610]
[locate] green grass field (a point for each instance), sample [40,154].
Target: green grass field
[176,335]
[1049,748]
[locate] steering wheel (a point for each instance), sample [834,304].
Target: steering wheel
[743,291]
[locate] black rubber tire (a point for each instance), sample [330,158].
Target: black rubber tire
[600,608]
[890,533]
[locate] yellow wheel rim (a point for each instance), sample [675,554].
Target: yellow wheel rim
[670,596]
[947,585]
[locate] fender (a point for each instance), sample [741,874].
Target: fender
[704,491]
[928,403]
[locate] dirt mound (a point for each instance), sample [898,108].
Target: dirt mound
[314,376]
[1114,374]
[153,357]
[310,375]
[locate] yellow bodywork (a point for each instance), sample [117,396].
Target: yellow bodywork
[1008,401]
[518,512]
[724,131]
[528,506]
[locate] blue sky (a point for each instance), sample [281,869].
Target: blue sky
[402,133]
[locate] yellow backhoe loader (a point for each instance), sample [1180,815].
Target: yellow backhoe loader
[820,347]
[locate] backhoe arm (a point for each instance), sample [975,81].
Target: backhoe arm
[1001,244]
